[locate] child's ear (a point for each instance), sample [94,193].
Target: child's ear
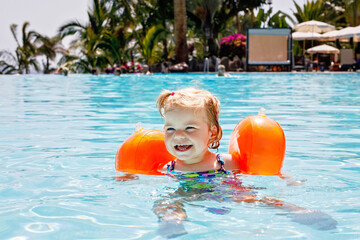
[213,131]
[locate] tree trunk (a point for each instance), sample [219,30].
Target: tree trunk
[209,33]
[47,66]
[181,50]
[165,51]
[355,10]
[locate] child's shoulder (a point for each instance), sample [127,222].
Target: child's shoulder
[229,162]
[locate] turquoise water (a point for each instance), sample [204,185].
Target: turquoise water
[59,136]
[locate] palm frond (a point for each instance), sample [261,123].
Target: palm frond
[13,29]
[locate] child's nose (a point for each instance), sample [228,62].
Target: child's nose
[179,134]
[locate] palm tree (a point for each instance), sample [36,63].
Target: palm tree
[279,20]
[91,55]
[161,12]
[153,36]
[266,19]
[114,44]
[139,19]
[317,10]
[134,22]
[352,12]
[87,55]
[310,11]
[9,63]
[205,10]
[49,47]
[181,50]
[25,52]
[208,15]
[231,9]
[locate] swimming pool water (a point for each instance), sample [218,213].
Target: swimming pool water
[59,136]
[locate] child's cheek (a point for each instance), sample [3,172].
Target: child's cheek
[191,134]
[167,139]
[167,145]
[167,136]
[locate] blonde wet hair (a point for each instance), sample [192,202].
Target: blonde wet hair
[196,99]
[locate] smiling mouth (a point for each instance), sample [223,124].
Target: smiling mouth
[182,148]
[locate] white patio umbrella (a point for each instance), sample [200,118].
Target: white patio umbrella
[349,32]
[323,49]
[314,26]
[298,36]
[330,36]
[306,36]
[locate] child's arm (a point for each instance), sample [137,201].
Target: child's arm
[313,218]
[171,216]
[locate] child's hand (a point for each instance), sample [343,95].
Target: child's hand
[291,181]
[314,219]
[126,177]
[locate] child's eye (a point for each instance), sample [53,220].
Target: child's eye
[170,129]
[190,128]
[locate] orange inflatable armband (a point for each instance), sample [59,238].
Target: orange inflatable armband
[143,152]
[258,143]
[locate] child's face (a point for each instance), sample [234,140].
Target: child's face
[187,134]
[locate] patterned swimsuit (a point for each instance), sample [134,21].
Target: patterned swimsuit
[219,185]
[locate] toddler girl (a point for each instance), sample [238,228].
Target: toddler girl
[191,128]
